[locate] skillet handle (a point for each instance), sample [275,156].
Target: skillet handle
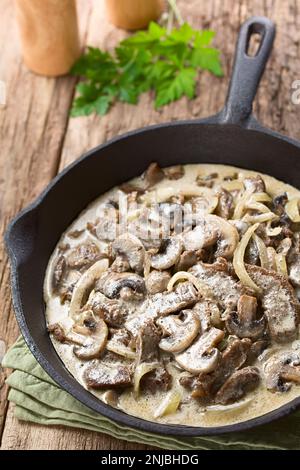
[247,71]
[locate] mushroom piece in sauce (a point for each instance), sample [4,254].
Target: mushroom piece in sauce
[180,331]
[202,356]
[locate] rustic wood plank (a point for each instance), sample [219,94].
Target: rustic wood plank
[273,106]
[32,128]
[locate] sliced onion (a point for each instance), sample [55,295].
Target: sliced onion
[261,197]
[233,406]
[281,265]
[163,194]
[238,259]
[257,206]
[272,258]
[262,251]
[184,276]
[120,349]
[84,284]
[241,204]
[292,210]
[169,405]
[140,371]
[253,219]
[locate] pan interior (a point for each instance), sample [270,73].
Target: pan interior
[32,237]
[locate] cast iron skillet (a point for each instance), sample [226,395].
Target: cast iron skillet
[233,137]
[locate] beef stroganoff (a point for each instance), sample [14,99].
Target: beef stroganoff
[174,297]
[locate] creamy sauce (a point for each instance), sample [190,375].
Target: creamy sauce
[257,403]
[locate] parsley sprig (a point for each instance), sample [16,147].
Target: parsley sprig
[166,62]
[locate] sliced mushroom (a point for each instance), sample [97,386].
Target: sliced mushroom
[241,382]
[232,358]
[180,331]
[58,332]
[181,297]
[124,285]
[202,356]
[244,323]
[279,303]
[130,247]
[157,281]
[212,229]
[95,341]
[168,255]
[281,369]
[103,376]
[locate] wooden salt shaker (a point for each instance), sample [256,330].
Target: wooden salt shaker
[133,14]
[49,35]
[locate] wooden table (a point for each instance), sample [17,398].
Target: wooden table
[38,139]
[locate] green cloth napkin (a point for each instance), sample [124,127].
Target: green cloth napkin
[39,400]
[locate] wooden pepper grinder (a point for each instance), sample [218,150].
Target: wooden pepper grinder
[49,35]
[133,14]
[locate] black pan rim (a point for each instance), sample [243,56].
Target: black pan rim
[83,395]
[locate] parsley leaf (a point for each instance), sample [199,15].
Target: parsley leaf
[156,59]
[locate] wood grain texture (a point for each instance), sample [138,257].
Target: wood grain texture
[32,129]
[32,132]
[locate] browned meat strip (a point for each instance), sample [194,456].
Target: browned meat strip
[256,350]
[147,343]
[225,205]
[153,174]
[255,184]
[102,376]
[57,332]
[59,272]
[83,255]
[207,385]
[157,380]
[241,382]
[187,260]
[157,281]
[226,290]
[279,302]
[112,311]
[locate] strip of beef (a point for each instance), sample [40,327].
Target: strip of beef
[256,349]
[158,379]
[57,332]
[147,343]
[83,255]
[255,184]
[225,289]
[102,376]
[59,272]
[279,303]
[225,205]
[239,384]
[232,359]
[162,304]
[113,312]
